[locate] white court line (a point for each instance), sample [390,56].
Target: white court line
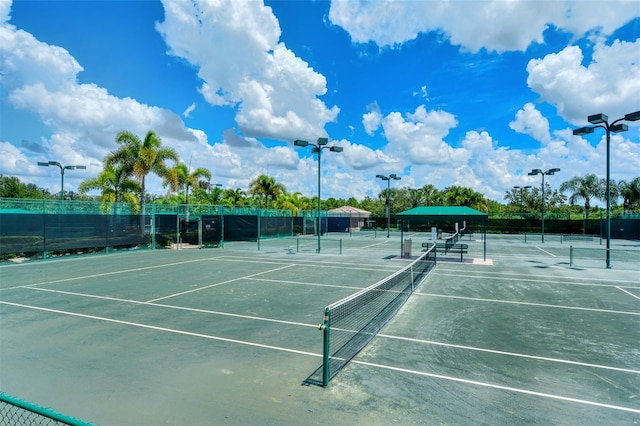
[179,308]
[532,280]
[528,275]
[628,292]
[500,387]
[544,251]
[170,330]
[388,336]
[514,354]
[105,274]
[217,284]
[543,305]
[370,364]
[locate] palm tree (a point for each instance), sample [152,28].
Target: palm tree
[179,176]
[431,196]
[630,191]
[584,188]
[139,158]
[234,197]
[266,188]
[115,187]
[292,202]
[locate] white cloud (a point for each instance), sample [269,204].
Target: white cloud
[499,25]
[609,84]
[419,136]
[187,112]
[371,122]
[234,45]
[531,122]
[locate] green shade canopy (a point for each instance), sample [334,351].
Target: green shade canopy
[446,213]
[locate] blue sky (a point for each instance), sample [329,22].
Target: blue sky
[470,93]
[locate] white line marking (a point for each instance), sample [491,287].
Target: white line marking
[528,275]
[251,317]
[217,284]
[544,305]
[169,330]
[370,364]
[628,292]
[104,274]
[531,280]
[500,387]
[544,251]
[492,351]
[181,308]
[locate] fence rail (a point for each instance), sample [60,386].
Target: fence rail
[14,411]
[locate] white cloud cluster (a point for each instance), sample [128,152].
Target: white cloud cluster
[235,48]
[497,25]
[611,82]
[275,94]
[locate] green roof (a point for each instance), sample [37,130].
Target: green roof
[443,213]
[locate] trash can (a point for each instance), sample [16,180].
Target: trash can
[406,248]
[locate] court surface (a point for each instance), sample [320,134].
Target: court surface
[227,336]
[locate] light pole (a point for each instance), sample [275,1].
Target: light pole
[62,169]
[388,179]
[522,189]
[317,148]
[601,121]
[548,173]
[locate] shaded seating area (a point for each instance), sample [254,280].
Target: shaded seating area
[450,217]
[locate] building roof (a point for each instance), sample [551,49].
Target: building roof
[452,213]
[350,210]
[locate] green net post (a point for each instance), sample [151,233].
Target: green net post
[325,326]
[297,245]
[340,246]
[571,256]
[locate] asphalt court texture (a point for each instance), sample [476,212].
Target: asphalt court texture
[227,336]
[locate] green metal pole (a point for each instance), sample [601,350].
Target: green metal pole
[325,326]
[319,224]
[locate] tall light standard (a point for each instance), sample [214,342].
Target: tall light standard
[522,189]
[548,173]
[62,169]
[317,148]
[388,179]
[601,121]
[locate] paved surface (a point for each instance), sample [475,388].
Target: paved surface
[226,336]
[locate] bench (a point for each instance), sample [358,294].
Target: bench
[444,248]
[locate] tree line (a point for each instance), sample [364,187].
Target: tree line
[123,179]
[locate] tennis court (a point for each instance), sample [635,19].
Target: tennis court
[228,336]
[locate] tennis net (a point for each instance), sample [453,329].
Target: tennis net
[349,324]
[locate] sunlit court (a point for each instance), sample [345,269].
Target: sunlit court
[231,335]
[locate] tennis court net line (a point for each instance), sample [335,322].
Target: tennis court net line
[351,323]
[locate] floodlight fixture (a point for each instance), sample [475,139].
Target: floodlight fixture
[62,169]
[619,128]
[320,144]
[598,118]
[601,120]
[583,131]
[392,176]
[632,116]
